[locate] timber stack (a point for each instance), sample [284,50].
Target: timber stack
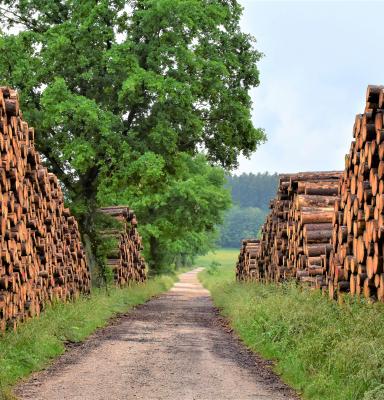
[125,258]
[272,246]
[274,239]
[328,228]
[42,257]
[295,240]
[309,226]
[247,268]
[356,263]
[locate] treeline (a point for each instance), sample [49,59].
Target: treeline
[123,95]
[251,194]
[253,190]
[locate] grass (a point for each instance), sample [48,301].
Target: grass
[40,340]
[323,349]
[225,258]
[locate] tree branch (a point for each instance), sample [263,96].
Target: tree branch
[57,169]
[30,24]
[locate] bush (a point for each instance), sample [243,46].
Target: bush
[213,267]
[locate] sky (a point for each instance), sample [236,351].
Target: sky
[319,58]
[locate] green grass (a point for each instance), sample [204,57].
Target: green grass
[40,340]
[323,349]
[225,257]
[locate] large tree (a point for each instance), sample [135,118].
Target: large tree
[181,209]
[118,90]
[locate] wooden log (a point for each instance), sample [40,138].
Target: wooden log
[305,200]
[318,236]
[314,215]
[325,188]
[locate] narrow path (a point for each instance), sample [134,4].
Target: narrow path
[173,347]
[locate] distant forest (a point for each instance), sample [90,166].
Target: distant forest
[251,194]
[253,190]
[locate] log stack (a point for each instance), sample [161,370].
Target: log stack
[274,239]
[309,225]
[125,259]
[296,236]
[340,249]
[42,257]
[272,247]
[247,268]
[356,263]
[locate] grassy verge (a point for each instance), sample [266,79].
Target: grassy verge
[323,349]
[40,340]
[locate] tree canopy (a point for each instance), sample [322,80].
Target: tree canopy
[125,95]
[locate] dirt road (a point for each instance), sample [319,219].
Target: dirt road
[173,347]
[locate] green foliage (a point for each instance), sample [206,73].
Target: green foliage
[124,95]
[40,340]
[240,223]
[253,190]
[251,194]
[181,209]
[323,349]
[213,267]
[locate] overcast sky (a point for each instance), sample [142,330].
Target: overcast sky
[319,58]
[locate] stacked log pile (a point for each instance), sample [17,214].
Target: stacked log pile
[246,268]
[356,263]
[296,236]
[273,245]
[332,234]
[42,257]
[310,225]
[274,239]
[125,259]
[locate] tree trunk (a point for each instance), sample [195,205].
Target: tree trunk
[85,193]
[155,261]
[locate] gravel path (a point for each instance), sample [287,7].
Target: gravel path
[173,347]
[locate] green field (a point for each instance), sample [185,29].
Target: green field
[226,257]
[40,340]
[325,350]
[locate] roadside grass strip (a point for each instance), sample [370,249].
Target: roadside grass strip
[323,349]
